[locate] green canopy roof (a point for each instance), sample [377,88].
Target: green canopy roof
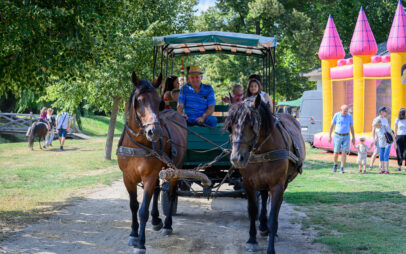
[214,42]
[294,103]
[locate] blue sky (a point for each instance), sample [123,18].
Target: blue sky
[204,5]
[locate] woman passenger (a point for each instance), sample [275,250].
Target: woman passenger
[170,90]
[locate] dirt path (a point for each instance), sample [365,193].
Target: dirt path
[100,223]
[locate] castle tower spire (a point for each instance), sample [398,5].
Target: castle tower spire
[362,47]
[331,49]
[397,47]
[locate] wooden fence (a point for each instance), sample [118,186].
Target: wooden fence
[14,123]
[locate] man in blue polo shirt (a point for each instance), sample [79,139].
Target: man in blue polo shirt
[197,101]
[342,121]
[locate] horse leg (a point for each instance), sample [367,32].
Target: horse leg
[149,186]
[252,244]
[263,220]
[277,198]
[134,210]
[168,219]
[156,221]
[39,142]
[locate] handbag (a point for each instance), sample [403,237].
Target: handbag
[388,137]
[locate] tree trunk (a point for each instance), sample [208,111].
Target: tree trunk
[257,27]
[126,112]
[112,126]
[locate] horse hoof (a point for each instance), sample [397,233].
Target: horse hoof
[251,247]
[139,251]
[132,240]
[167,231]
[157,227]
[264,233]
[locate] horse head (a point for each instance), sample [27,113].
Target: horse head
[245,122]
[145,104]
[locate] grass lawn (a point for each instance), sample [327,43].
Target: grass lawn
[34,183]
[99,125]
[353,213]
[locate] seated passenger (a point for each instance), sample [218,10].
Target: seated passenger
[237,95]
[197,100]
[171,85]
[254,88]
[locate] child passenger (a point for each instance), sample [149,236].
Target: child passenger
[384,146]
[362,149]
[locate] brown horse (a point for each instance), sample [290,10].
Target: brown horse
[37,129]
[147,127]
[269,152]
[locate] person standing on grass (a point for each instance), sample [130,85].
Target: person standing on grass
[62,127]
[400,134]
[342,124]
[383,114]
[384,145]
[362,149]
[52,121]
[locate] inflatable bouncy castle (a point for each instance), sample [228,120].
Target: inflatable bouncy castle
[364,82]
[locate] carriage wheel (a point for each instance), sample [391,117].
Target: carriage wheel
[165,203]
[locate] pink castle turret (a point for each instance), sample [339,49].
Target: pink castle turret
[363,41]
[331,46]
[363,46]
[397,37]
[397,47]
[331,49]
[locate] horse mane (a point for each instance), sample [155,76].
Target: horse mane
[244,110]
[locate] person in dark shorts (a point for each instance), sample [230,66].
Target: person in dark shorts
[62,127]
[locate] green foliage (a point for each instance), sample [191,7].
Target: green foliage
[83,50]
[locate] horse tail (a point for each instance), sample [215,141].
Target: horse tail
[31,135]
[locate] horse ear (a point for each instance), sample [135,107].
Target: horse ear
[257,101]
[231,98]
[157,82]
[135,79]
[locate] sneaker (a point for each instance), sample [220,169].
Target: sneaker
[364,171]
[382,172]
[341,170]
[359,171]
[335,168]
[61,148]
[387,172]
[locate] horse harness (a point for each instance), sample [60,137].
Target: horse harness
[143,150]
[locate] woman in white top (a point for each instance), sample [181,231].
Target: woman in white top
[400,133]
[382,115]
[254,88]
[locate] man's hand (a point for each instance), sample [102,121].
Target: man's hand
[329,139]
[353,142]
[200,120]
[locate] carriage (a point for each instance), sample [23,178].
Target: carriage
[207,147]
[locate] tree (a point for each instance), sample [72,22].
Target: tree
[122,43]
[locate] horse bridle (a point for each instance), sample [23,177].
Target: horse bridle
[138,120]
[256,129]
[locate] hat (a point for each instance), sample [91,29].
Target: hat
[382,109]
[195,70]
